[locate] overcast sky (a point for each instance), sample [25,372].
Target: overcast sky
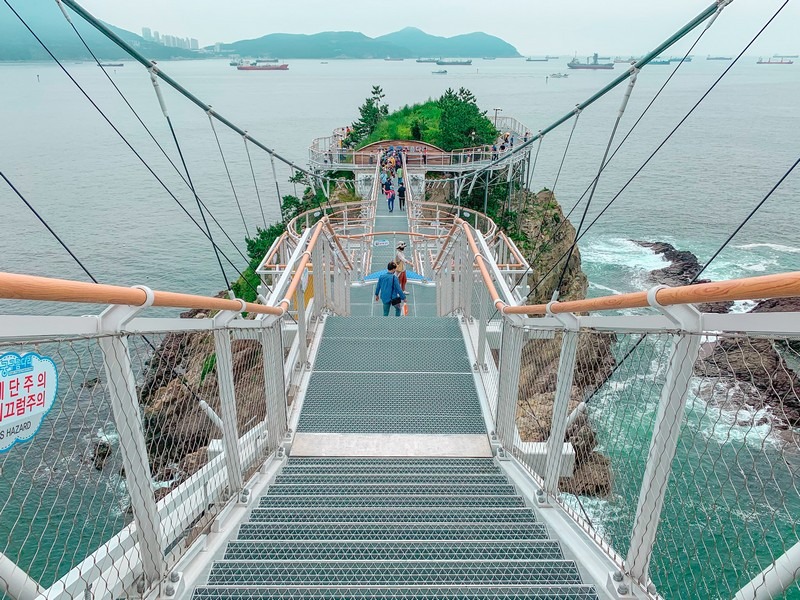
[533,26]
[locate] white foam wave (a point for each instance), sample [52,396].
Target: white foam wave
[776,247]
[605,288]
[623,252]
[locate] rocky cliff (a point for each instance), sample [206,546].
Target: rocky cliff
[548,236]
[750,378]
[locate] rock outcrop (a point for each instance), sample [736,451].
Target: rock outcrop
[683,268]
[180,374]
[548,237]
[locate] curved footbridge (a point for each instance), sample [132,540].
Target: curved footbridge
[391,488]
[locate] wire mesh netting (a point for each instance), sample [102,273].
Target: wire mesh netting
[66,486]
[732,500]
[63,492]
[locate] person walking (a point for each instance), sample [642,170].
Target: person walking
[389,292]
[401,261]
[401,196]
[390,199]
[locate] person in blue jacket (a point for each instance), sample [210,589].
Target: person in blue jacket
[387,289]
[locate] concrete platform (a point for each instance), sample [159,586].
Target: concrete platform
[405,445]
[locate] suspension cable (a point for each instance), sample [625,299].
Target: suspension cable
[163,105]
[747,218]
[148,64]
[566,148]
[122,137]
[144,125]
[539,253]
[626,97]
[697,275]
[277,188]
[255,183]
[666,139]
[47,226]
[228,173]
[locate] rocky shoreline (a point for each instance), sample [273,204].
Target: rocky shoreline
[747,377]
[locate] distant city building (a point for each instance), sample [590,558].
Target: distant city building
[170,41]
[218,47]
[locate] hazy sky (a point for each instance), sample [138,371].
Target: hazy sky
[533,26]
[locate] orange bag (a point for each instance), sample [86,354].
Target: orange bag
[405,309]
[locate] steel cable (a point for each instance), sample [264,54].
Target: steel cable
[124,139]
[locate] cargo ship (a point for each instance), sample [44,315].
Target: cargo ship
[769,61]
[592,63]
[427,60]
[719,58]
[454,62]
[534,59]
[283,67]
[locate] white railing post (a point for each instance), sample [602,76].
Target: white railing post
[558,424]
[128,419]
[467,279]
[317,257]
[227,398]
[483,317]
[301,325]
[274,383]
[773,581]
[666,430]
[513,340]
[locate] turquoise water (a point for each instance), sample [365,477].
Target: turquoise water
[128,231]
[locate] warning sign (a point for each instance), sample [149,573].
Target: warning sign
[28,385]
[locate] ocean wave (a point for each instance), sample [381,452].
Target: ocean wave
[622,252]
[605,288]
[776,247]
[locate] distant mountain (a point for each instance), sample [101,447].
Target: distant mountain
[406,43]
[468,45]
[46,20]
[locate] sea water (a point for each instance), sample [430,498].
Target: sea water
[113,214]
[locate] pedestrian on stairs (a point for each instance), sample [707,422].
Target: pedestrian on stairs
[401,196]
[389,292]
[401,261]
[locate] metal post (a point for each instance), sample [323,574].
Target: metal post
[558,425]
[773,581]
[666,430]
[317,255]
[468,278]
[227,397]
[508,387]
[485,200]
[128,420]
[274,384]
[483,316]
[301,324]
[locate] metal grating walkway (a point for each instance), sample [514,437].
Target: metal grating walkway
[347,534]
[385,494]
[383,375]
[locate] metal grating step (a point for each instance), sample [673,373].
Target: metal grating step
[388,488]
[360,469]
[392,531]
[392,477]
[413,393]
[383,328]
[545,592]
[320,463]
[402,355]
[396,500]
[393,550]
[430,424]
[415,514]
[460,572]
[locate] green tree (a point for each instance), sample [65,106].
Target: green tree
[371,113]
[462,123]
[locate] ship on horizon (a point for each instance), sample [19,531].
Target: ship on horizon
[592,64]
[257,67]
[454,62]
[770,61]
[427,60]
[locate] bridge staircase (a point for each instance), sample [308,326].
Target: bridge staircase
[391,489]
